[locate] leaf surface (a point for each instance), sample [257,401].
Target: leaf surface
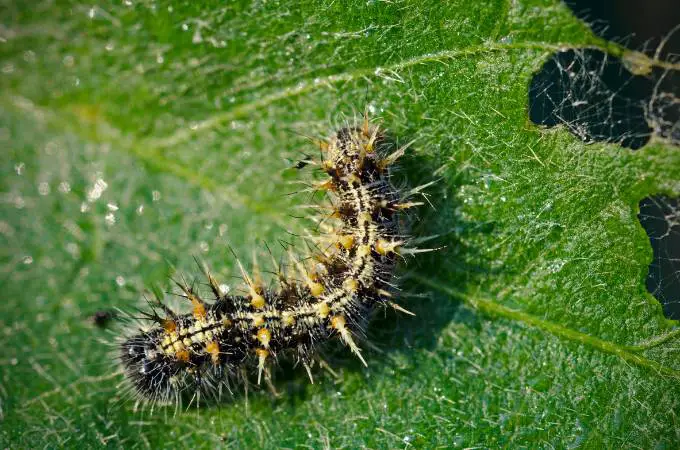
[138,135]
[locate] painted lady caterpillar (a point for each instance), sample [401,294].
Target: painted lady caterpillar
[331,294]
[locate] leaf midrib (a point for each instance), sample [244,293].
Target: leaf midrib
[627,353]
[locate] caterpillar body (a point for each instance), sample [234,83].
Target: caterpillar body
[330,294]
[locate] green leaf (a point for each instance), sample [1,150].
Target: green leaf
[140,134]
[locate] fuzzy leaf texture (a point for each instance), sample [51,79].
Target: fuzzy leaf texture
[138,135]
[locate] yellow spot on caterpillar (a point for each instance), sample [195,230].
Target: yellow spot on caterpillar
[323,310]
[287,319]
[338,322]
[264,336]
[226,323]
[254,284]
[346,240]
[258,320]
[166,342]
[316,289]
[255,287]
[262,355]
[257,300]
[350,284]
[182,355]
[213,349]
[169,325]
[384,247]
[198,308]
[364,250]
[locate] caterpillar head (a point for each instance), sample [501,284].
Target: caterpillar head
[153,375]
[353,147]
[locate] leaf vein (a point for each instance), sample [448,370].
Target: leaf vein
[492,308]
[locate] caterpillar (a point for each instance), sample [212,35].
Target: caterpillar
[330,294]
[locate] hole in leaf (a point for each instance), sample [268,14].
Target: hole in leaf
[599,99]
[660,217]
[638,26]
[594,95]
